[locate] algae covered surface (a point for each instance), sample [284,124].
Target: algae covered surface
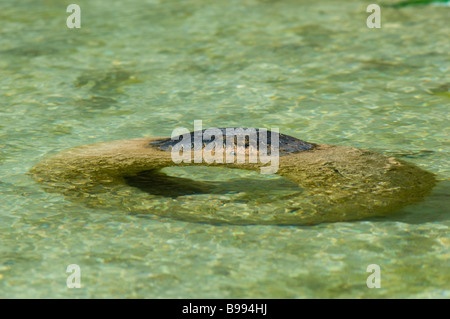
[142,68]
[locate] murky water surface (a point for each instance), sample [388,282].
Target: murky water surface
[142,68]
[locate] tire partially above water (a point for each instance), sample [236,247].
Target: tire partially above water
[340,183]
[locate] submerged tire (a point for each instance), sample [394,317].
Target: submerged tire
[339,183]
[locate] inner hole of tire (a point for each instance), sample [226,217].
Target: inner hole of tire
[195,180]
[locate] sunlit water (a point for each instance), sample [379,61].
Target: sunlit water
[142,68]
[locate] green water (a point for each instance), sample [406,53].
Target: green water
[141,68]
